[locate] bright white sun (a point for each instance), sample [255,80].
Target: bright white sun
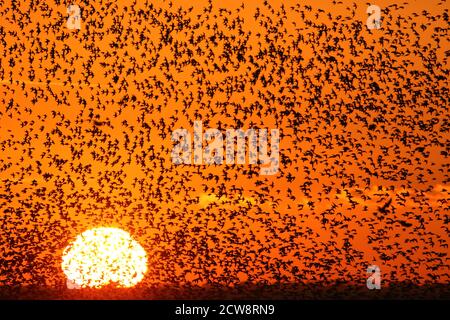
[103,256]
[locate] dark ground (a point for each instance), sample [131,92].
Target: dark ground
[246,292]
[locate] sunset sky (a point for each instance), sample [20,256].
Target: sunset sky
[86,118]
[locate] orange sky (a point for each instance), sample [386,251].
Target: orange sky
[61,174]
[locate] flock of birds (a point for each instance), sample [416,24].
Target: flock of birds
[86,118]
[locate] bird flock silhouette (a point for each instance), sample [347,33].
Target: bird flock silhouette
[86,118]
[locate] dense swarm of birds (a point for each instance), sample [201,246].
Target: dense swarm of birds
[86,118]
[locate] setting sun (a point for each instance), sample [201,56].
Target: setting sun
[103,256]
